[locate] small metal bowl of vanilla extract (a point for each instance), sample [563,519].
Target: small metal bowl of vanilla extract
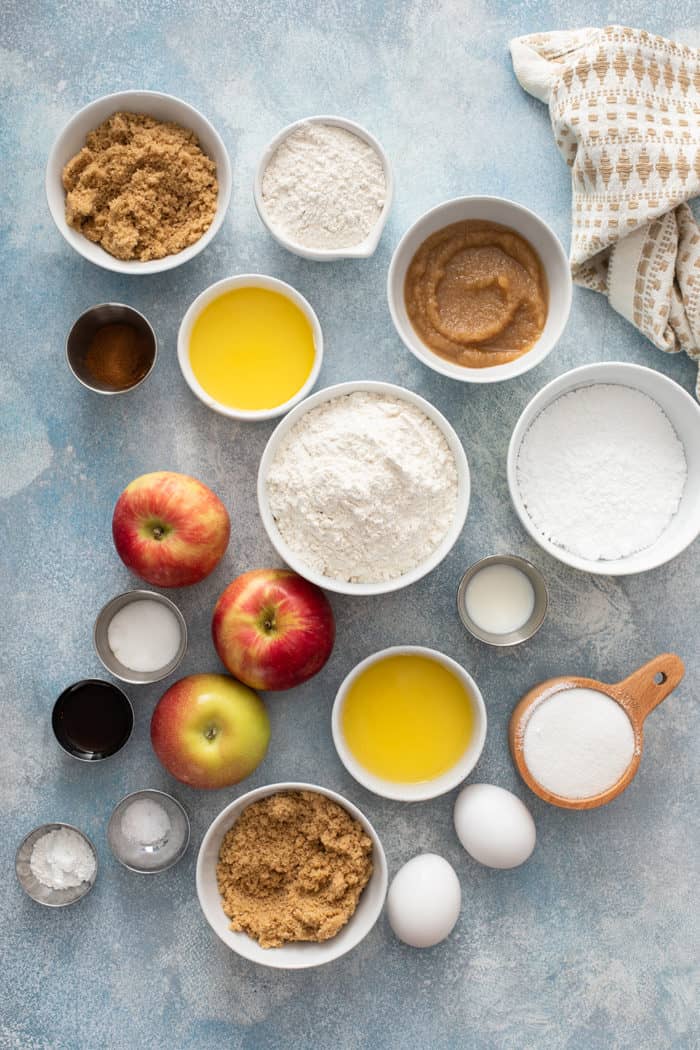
[111,348]
[92,720]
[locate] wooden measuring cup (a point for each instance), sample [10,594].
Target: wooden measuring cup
[638,694]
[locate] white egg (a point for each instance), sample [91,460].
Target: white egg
[424,900]
[494,826]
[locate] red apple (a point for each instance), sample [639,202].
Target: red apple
[273,629]
[210,731]
[170,529]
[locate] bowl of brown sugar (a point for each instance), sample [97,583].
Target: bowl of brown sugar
[291,876]
[138,182]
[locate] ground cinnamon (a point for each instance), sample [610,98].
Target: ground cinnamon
[118,356]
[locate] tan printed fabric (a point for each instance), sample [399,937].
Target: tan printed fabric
[625,111]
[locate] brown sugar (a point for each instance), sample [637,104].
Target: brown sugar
[476,293]
[292,868]
[140,188]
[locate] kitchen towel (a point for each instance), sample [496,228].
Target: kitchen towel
[625,111]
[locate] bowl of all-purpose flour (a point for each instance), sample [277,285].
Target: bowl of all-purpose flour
[323,188]
[604,468]
[363,488]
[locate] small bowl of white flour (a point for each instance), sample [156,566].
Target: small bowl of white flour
[363,488]
[604,468]
[323,188]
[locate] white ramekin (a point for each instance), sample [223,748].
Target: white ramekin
[247,280]
[357,251]
[424,789]
[72,139]
[463,488]
[528,225]
[683,413]
[290,956]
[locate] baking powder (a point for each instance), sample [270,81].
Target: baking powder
[324,187]
[578,742]
[601,472]
[62,859]
[363,488]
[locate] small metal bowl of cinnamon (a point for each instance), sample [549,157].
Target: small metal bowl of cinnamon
[111,348]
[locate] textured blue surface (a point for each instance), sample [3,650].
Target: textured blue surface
[594,943]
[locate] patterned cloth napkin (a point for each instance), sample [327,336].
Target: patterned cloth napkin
[625,110]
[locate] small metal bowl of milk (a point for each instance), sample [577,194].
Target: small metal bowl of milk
[140,636]
[502,600]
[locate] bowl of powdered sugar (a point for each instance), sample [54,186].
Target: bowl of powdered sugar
[323,188]
[604,468]
[363,488]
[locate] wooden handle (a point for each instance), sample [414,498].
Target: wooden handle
[646,687]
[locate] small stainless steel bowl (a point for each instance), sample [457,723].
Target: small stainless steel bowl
[531,626]
[150,860]
[45,895]
[83,753]
[109,660]
[84,329]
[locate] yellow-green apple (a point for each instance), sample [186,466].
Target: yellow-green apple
[170,529]
[210,731]
[273,629]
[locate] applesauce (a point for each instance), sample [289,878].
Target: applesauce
[476,293]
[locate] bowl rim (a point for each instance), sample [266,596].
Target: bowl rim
[365,248]
[135,267]
[380,868]
[493,373]
[593,374]
[130,310]
[329,393]
[212,292]
[420,791]
[55,825]
[140,792]
[137,594]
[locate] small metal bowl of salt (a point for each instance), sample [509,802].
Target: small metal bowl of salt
[140,636]
[148,831]
[56,865]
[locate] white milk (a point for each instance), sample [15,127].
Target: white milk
[499,599]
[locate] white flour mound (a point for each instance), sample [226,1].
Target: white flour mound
[363,488]
[324,187]
[601,471]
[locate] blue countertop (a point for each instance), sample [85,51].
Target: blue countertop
[593,944]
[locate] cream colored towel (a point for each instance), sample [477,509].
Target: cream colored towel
[625,110]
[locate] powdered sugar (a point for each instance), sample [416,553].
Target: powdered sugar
[324,187]
[601,472]
[363,488]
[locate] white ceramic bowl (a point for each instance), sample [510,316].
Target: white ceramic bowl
[683,413]
[529,226]
[72,139]
[358,251]
[246,280]
[290,956]
[463,489]
[424,789]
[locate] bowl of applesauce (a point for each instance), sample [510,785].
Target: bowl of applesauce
[479,289]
